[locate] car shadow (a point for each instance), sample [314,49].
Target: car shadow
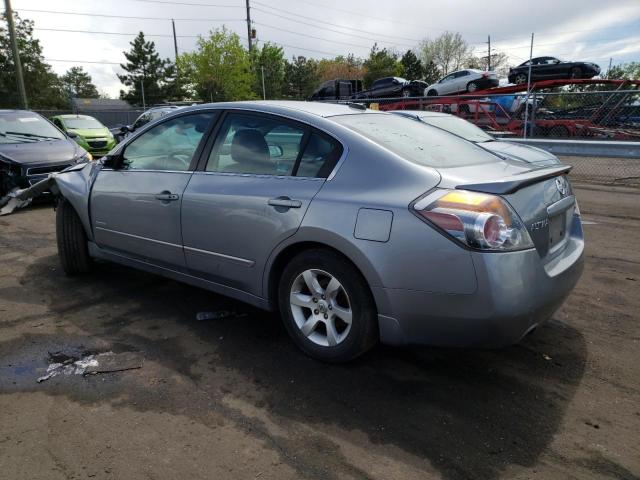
[465,413]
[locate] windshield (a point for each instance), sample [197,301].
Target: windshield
[23,127]
[415,141]
[82,122]
[460,127]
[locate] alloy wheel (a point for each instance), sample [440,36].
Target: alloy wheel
[521,78]
[321,307]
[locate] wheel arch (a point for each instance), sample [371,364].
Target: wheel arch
[75,187]
[307,241]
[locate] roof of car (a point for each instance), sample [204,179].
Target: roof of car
[321,109]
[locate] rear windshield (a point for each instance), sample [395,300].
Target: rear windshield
[460,127]
[82,122]
[415,141]
[26,127]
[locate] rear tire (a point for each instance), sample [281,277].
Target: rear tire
[72,240]
[472,87]
[341,303]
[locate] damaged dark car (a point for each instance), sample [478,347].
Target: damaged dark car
[30,149]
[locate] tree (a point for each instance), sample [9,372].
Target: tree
[381,63]
[412,66]
[43,87]
[268,60]
[219,69]
[629,71]
[431,73]
[145,69]
[76,82]
[499,63]
[300,77]
[449,52]
[349,67]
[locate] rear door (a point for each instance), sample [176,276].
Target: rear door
[259,178]
[135,206]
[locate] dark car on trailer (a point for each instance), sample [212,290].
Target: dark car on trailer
[31,147]
[393,87]
[549,68]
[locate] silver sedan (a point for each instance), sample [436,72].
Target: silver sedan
[357,226]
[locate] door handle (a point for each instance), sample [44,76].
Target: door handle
[167,197]
[285,202]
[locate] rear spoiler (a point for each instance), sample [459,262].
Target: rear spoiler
[503,187]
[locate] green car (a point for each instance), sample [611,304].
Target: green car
[88,132]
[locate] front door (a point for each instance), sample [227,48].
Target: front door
[261,175]
[135,206]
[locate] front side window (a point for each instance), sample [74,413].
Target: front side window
[169,145]
[256,144]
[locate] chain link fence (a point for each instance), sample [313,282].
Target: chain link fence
[593,115]
[110,118]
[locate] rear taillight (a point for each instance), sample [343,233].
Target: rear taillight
[478,220]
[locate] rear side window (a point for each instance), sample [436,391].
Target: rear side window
[319,157]
[415,141]
[256,144]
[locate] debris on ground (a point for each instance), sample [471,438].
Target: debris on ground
[20,198]
[90,364]
[11,202]
[218,315]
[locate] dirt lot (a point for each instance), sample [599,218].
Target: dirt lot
[233,398]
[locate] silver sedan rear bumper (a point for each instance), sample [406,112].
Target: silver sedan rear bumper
[516,293]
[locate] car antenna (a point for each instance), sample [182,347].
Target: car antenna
[359,106]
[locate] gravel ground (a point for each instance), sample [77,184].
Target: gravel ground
[233,399]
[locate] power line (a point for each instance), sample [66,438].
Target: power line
[332,30]
[113,33]
[129,17]
[189,4]
[381,19]
[102,62]
[311,36]
[334,24]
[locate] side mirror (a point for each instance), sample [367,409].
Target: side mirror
[71,134]
[112,161]
[126,129]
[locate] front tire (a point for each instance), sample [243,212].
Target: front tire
[520,79]
[72,240]
[327,307]
[575,73]
[432,93]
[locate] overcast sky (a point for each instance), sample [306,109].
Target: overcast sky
[590,30]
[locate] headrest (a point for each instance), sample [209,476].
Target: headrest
[249,146]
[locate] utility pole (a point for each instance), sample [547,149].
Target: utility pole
[16,55]
[175,39]
[526,100]
[264,92]
[489,57]
[249,26]
[144,104]
[610,60]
